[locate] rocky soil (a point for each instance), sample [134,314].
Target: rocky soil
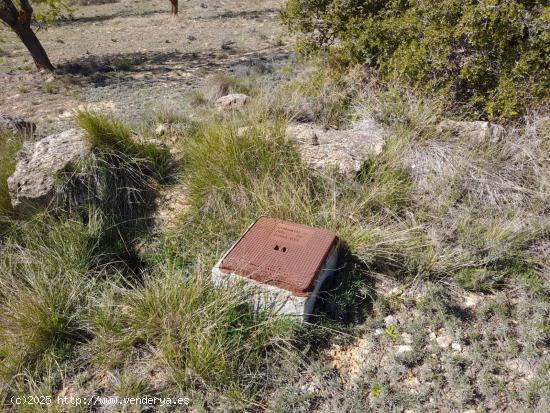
[99,66]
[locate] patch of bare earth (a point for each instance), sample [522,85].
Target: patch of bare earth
[133,56]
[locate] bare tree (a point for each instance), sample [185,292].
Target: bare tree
[19,18]
[174,7]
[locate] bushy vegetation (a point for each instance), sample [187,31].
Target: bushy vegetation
[487,56]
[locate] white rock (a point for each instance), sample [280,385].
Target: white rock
[456,346]
[407,338]
[472,300]
[404,348]
[444,341]
[232,101]
[161,129]
[309,388]
[378,332]
[347,150]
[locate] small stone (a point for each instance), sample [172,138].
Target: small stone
[378,332]
[444,341]
[472,300]
[309,388]
[226,44]
[407,338]
[390,320]
[161,129]
[191,38]
[405,348]
[456,346]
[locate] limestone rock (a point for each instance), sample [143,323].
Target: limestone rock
[345,149]
[32,185]
[405,348]
[478,131]
[17,126]
[232,101]
[444,341]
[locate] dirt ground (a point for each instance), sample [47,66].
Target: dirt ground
[114,57]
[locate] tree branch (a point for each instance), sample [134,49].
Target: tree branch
[8,13]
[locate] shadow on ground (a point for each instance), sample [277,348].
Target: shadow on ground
[347,297]
[101,70]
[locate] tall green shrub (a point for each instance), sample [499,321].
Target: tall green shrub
[489,55]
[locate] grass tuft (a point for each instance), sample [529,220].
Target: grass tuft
[9,145]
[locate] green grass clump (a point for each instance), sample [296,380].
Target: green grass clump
[114,189]
[489,57]
[197,334]
[9,145]
[44,294]
[110,135]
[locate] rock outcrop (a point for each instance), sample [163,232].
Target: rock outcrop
[32,185]
[478,132]
[345,149]
[232,101]
[17,126]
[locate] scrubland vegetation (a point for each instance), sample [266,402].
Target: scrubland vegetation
[95,299]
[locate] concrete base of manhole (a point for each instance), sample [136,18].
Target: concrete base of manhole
[265,297]
[284,283]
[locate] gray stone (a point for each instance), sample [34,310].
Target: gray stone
[346,150]
[232,101]
[478,132]
[32,185]
[390,320]
[17,126]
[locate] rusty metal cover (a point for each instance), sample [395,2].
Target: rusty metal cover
[280,253]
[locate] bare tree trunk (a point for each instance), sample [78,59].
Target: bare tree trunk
[174,7]
[19,20]
[39,55]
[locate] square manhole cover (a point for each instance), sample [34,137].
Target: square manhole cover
[281,254]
